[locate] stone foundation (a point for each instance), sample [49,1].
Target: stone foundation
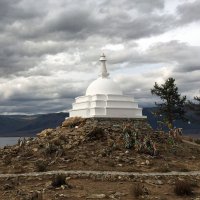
[117,124]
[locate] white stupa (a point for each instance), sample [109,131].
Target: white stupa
[105,99]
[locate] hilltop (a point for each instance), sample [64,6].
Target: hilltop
[74,142]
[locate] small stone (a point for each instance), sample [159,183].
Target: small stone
[147,162]
[159,182]
[67,179]
[35,149]
[119,177]
[62,187]
[96,196]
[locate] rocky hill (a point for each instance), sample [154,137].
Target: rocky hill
[103,145]
[100,144]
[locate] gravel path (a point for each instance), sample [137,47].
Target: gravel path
[83,173]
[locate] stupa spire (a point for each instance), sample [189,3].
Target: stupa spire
[103,73]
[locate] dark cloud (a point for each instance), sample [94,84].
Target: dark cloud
[32,30]
[49,49]
[183,57]
[189,12]
[141,5]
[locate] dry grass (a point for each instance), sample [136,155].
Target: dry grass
[40,165]
[73,122]
[7,160]
[164,168]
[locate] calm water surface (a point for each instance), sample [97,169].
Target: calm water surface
[8,141]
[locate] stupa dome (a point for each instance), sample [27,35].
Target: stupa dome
[103,86]
[105,99]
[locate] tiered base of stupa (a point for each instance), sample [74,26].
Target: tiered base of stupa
[106,106]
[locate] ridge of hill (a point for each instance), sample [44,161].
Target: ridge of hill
[30,125]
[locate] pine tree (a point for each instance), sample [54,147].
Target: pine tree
[172,106]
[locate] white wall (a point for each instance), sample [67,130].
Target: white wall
[114,106]
[122,104]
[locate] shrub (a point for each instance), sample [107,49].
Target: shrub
[27,153]
[7,160]
[197,141]
[183,188]
[41,165]
[96,134]
[139,190]
[58,180]
[50,149]
[63,137]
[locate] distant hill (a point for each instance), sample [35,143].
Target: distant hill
[30,125]
[191,128]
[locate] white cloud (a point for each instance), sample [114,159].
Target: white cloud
[113,47]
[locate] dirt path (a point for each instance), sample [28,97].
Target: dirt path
[83,173]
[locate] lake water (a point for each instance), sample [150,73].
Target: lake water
[8,141]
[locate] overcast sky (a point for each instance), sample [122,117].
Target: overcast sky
[49,49]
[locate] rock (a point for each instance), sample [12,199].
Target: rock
[68,146]
[67,179]
[158,182]
[96,196]
[147,162]
[45,133]
[170,182]
[35,149]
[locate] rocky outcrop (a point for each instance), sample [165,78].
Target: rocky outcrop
[92,143]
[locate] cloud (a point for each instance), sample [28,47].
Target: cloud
[181,56]
[49,50]
[189,12]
